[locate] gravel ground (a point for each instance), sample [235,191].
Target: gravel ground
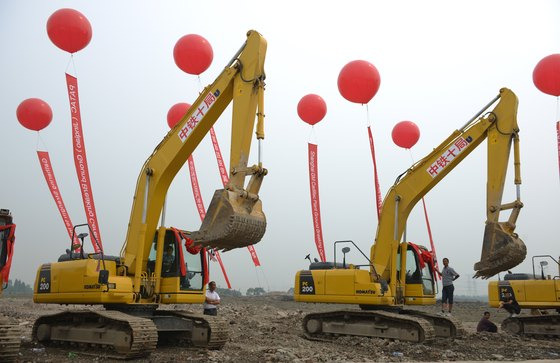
[268,329]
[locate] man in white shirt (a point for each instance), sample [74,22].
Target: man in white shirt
[212,300]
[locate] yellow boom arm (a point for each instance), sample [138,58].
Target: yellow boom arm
[502,249]
[235,217]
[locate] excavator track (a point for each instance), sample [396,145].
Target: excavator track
[445,326]
[211,331]
[380,324]
[10,339]
[541,325]
[120,335]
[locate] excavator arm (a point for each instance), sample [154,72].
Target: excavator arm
[234,218]
[501,248]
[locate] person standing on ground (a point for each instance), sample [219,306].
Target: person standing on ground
[486,325]
[448,275]
[212,300]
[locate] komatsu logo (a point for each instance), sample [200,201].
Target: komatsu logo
[92,287]
[368,291]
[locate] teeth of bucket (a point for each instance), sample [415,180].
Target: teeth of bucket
[231,222]
[501,251]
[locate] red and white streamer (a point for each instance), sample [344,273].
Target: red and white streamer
[80,161]
[315,204]
[225,179]
[202,211]
[378,198]
[558,142]
[48,173]
[434,257]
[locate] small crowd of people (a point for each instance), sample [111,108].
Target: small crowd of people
[448,275]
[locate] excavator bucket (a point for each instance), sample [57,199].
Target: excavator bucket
[231,222]
[501,251]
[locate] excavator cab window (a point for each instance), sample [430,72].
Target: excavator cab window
[170,261]
[194,278]
[427,280]
[4,234]
[413,272]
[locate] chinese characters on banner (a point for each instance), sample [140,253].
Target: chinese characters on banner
[197,116]
[315,205]
[225,180]
[80,161]
[378,198]
[202,211]
[48,173]
[447,156]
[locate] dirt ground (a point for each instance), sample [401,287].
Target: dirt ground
[268,329]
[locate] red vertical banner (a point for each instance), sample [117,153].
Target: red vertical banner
[558,141]
[80,161]
[202,211]
[315,204]
[225,179]
[430,236]
[48,173]
[378,198]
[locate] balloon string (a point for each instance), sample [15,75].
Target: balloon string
[411,157]
[312,136]
[367,116]
[557,108]
[199,84]
[39,138]
[71,60]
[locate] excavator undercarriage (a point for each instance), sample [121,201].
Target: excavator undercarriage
[10,339]
[401,324]
[538,326]
[125,333]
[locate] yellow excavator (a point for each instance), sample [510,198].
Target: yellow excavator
[133,285]
[398,273]
[9,333]
[538,292]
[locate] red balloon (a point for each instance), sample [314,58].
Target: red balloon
[69,30]
[405,134]
[176,113]
[34,114]
[311,109]
[358,81]
[193,54]
[546,75]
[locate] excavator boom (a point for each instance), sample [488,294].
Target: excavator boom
[502,249]
[234,218]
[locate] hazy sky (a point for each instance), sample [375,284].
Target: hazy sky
[440,62]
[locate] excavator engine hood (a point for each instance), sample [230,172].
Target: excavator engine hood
[232,221]
[501,250]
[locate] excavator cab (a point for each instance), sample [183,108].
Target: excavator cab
[184,266]
[418,275]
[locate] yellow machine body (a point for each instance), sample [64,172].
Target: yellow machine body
[381,283]
[159,265]
[530,294]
